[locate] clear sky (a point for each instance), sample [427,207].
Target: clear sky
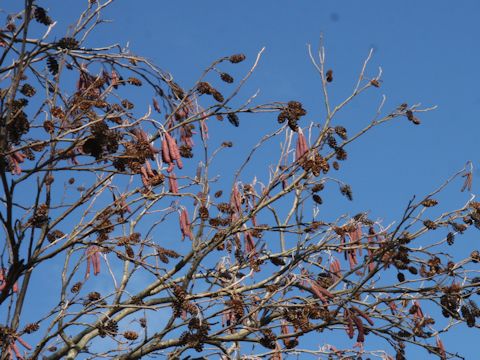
[428,50]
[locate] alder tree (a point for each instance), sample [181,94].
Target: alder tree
[117,200]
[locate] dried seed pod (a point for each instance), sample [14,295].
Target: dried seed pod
[459,227]
[127,104]
[450,238]
[28,90]
[468,316]
[130,335]
[94,296]
[129,252]
[430,225]
[317,199]
[329,75]
[67,43]
[346,191]
[475,255]
[30,328]
[49,127]
[412,118]
[318,187]
[217,96]
[110,327]
[233,119]
[237,58]
[226,77]
[76,287]
[278,261]
[269,339]
[341,131]
[413,270]
[134,81]
[55,235]
[52,65]
[429,202]
[203,213]
[41,16]
[204,88]
[341,154]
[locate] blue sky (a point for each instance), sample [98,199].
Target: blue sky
[428,51]
[429,54]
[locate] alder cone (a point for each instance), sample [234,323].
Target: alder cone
[233,119]
[237,58]
[52,65]
[130,335]
[41,16]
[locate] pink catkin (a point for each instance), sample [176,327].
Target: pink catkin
[320,292]
[174,152]
[371,265]
[24,344]
[321,289]
[3,282]
[419,312]
[236,200]
[173,183]
[185,225]
[335,268]
[179,163]
[349,327]
[172,147]
[359,325]
[363,315]
[352,260]
[16,159]
[145,176]
[439,342]
[148,167]
[249,244]
[182,224]
[302,147]
[17,352]
[166,152]
[93,258]
[358,236]
[393,307]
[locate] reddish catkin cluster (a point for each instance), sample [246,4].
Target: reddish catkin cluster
[15,159]
[353,321]
[8,339]
[151,177]
[171,153]
[173,183]
[319,291]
